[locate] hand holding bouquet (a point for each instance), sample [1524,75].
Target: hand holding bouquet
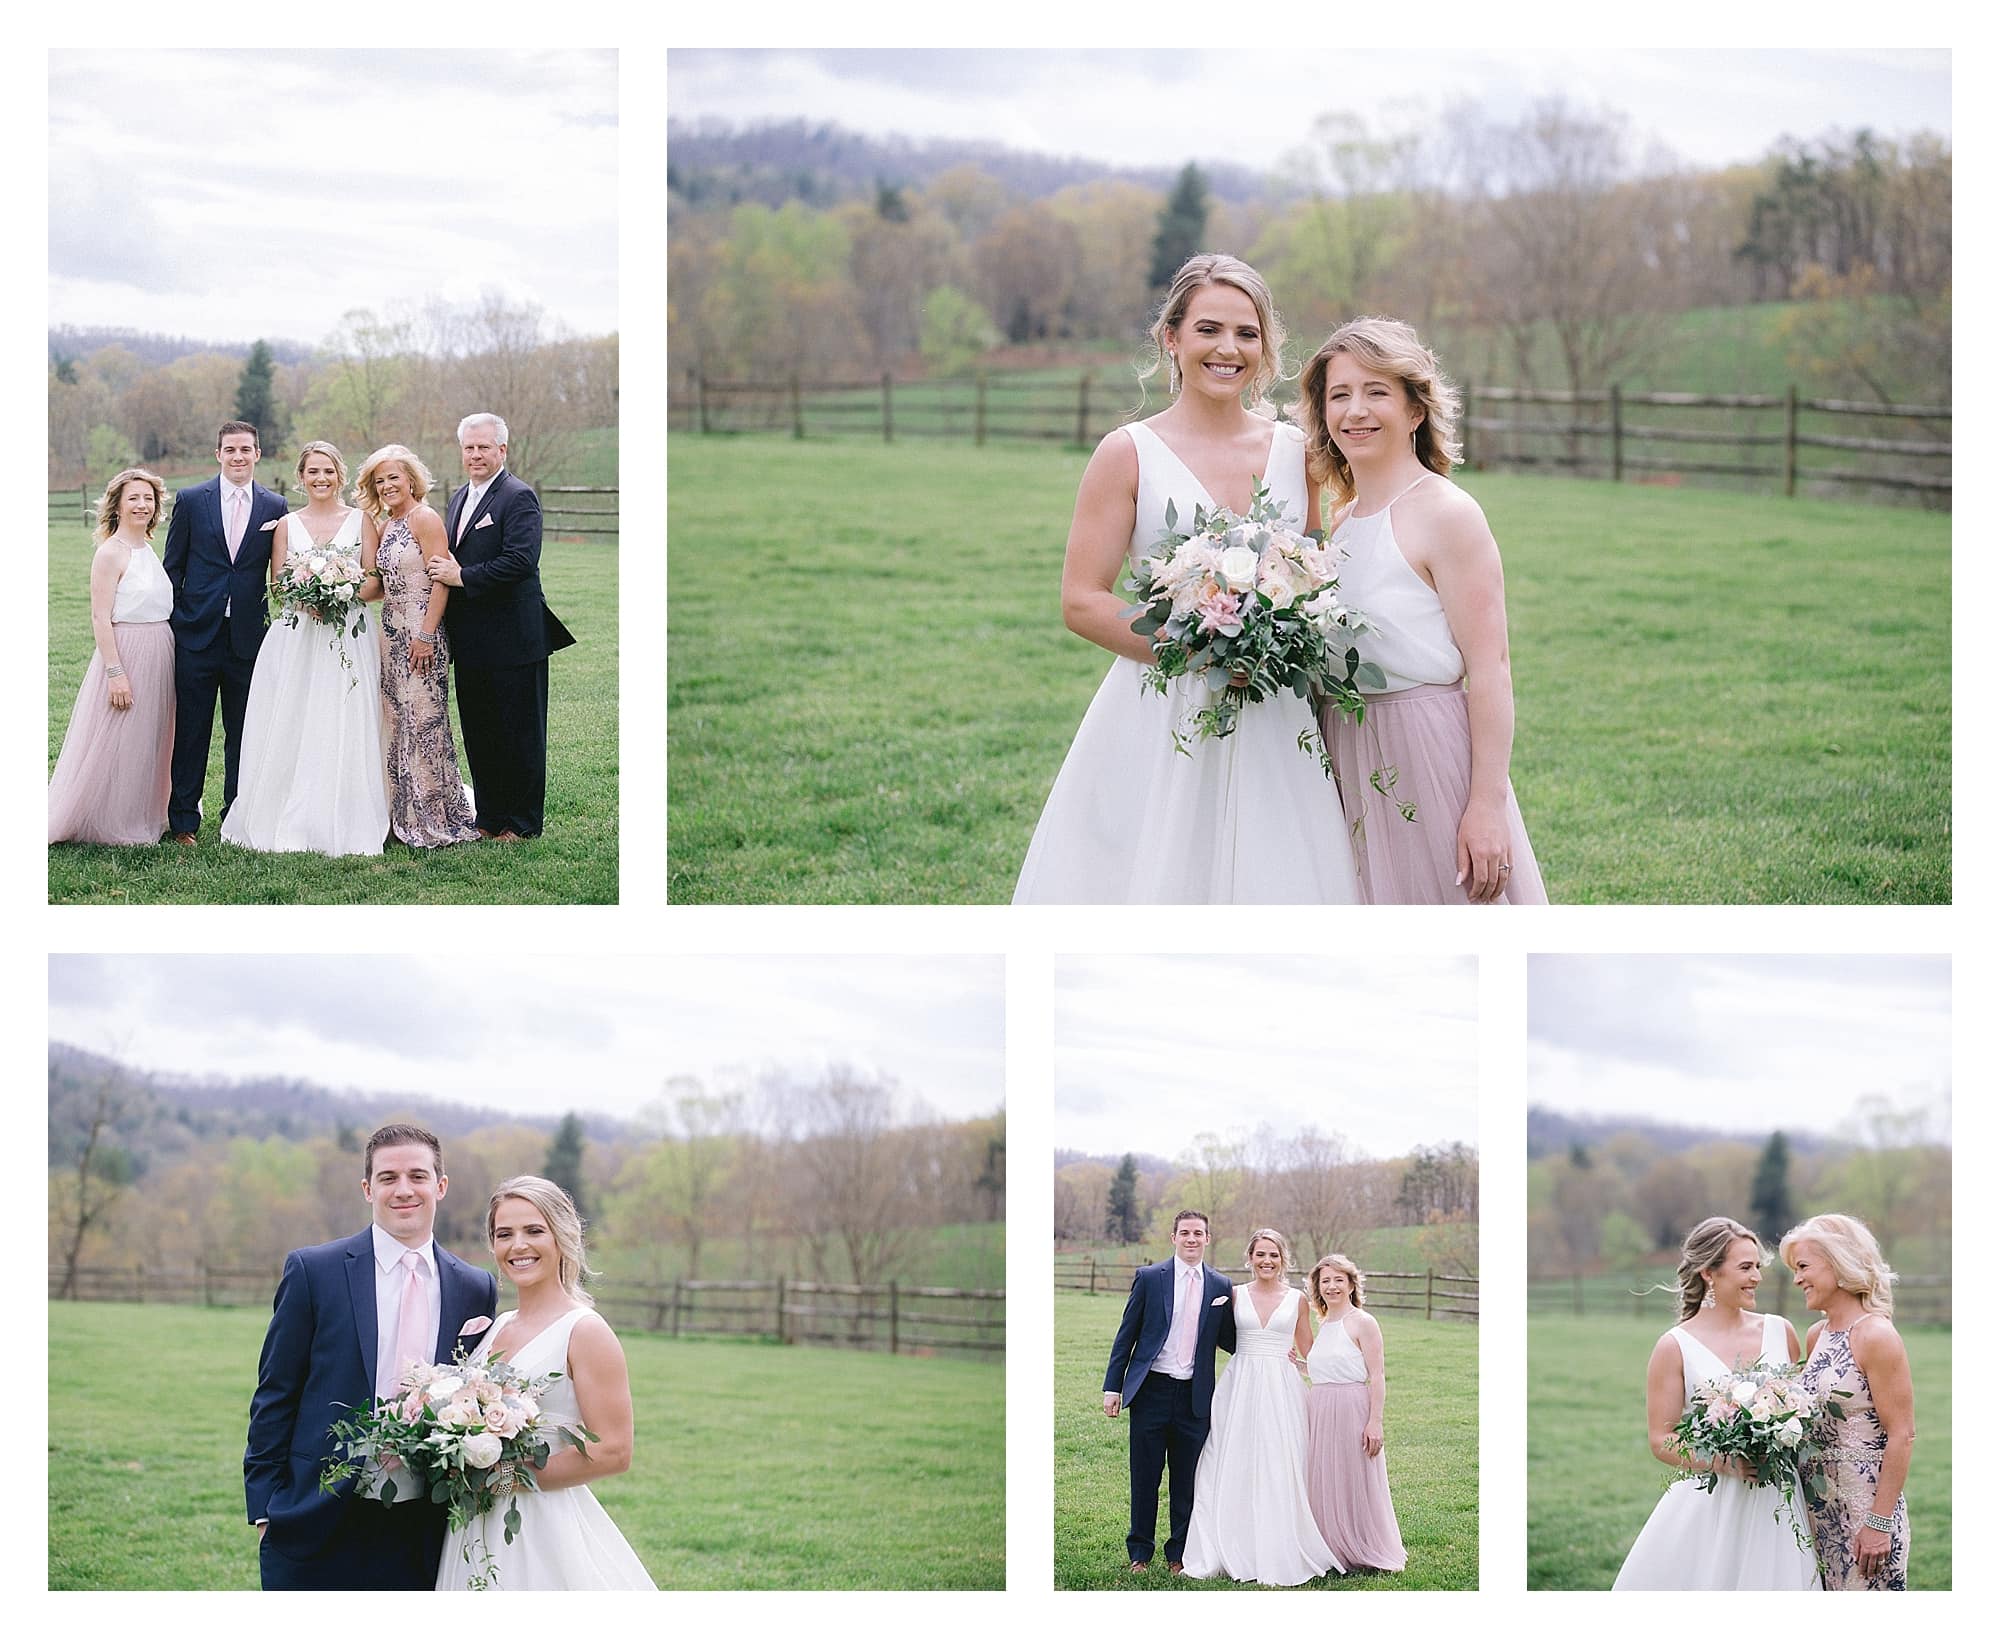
[1252,607]
[326,585]
[468,1435]
[1763,1415]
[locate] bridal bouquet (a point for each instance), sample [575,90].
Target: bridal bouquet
[470,1436]
[1764,1415]
[325,584]
[1247,598]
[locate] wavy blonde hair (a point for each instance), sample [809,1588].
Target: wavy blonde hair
[1390,348]
[1334,1260]
[1851,1248]
[565,1223]
[114,497]
[319,446]
[1197,273]
[421,481]
[1707,1244]
[1284,1246]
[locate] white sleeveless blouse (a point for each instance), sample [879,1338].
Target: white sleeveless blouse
[1412,642]
[144,594]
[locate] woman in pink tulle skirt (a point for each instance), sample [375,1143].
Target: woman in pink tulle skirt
[111,780]
[1423,777]
[1347,1482]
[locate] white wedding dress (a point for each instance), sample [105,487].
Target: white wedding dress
[566,1539]
[312,778]
[1736,1536]
[1251,1517]
[1246,820]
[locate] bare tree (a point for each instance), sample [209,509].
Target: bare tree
[692,1164]
[102,1169]
[854,1186]
[497,357]
[1312,1193]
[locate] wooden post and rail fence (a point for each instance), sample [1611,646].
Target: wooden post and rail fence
[1426,1292]
[568,510]
[1611,432]
[893,1316]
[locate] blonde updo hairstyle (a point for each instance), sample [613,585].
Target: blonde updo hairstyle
[1854,1255]
[1196,273]
[113,500]
[1707,1244]
[559,1212]
[1390,348]
[319,446]
[364,480]
[1348,1267]
[1284,1246]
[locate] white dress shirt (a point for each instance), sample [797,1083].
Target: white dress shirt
[472,499]
[1187,1290]
[229,493]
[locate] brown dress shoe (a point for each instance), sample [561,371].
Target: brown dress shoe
[185,838]
[510,836]
[1136,1566]
[1174,1568]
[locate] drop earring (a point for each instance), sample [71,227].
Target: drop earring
[1709,1301]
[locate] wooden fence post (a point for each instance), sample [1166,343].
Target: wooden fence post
[1430,1281]
[1576,1293]
[207,1289]
[893,1317]
[1792,441]
[1083,409]
[888,413]
[701,401]
[1617,435]
[781,1309]
[798,410]
[676,1330]
[1093,1274]
[979,411]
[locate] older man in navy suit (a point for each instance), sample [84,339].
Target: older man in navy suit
[218,555]
[502,633]
[1162,1374]
[349,1319]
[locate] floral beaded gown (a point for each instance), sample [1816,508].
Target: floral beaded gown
[566,1539]
[1247,820]
[1736,1536]
[428,803]
[1252,1520]
[312,779]
[1850,1462]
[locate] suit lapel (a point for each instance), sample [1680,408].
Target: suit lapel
[449,1304]
[361,1288]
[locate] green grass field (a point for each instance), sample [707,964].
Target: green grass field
[1592,1482]
[756,1467]
[1431,1420]
[1722,699]
[574,861]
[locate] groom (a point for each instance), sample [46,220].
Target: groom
[502,633]
[1162,1373]
[217,555]
[349,1318]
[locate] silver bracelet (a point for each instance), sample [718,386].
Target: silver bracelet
[426,637]
[114,671]
[1881,1522]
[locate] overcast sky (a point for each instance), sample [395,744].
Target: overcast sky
[1709,107]
[234,194]
[1151,1051]
[581,1033]
[1739,1042]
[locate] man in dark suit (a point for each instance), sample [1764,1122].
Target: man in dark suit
[502,633]
[1162,1374]
[218,556]
[348,1320]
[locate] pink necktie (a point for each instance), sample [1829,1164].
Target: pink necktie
[1184,1323]
[236,521]
[411,1343]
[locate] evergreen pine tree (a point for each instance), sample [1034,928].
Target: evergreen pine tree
[1771,1191]
[564,1163]
[1183,226]
[1121,1207]
[256,397]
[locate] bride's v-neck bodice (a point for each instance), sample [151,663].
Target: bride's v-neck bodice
[1256,1337]
[1164,477]
[546,1351]
[1701,1364]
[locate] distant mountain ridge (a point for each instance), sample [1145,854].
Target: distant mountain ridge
[72,341]
[1550,1131]
[714,162]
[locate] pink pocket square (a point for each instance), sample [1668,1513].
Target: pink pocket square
[483,522]
[476,1325]
[265,529]
[1215,1303]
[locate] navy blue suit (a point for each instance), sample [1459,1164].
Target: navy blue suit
[213,653]
[1169,1417]
[317,1366]
[502,633]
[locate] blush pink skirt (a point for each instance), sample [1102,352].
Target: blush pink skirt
[1347,1490]
[1413,748]
[112,779]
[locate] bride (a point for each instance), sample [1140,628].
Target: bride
[1740,1535]
[1246,819]
[312,772]
[1252,1520]
[566,1539]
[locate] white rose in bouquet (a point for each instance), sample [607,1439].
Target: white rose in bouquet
[482,1450]
[1743,1392]
[1238,568]
[1789,1434]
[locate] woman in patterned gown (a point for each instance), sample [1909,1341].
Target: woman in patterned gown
[1861,1522]
[428,804]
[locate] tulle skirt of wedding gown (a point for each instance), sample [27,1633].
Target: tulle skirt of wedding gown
[566,1540]
[312,777]
[1252,1520]
[1131,820]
